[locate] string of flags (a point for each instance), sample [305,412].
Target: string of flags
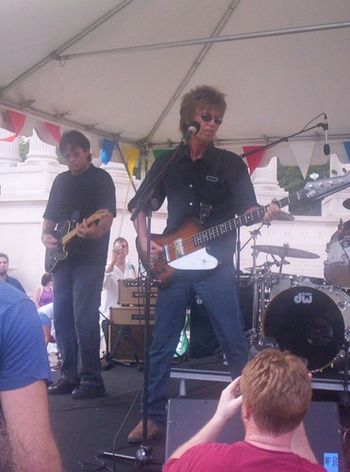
[17,124]
[300,153]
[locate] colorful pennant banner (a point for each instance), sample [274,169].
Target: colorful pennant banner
[106,151]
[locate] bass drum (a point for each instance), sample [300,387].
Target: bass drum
[310,322]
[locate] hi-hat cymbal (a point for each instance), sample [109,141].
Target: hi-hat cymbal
[346,203]
[286,251]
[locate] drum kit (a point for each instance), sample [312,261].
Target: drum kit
[307,316]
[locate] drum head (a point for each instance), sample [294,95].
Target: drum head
[306,322]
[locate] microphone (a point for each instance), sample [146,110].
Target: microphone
[192,129]
[326,147]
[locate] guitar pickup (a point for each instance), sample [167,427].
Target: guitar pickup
[179,248]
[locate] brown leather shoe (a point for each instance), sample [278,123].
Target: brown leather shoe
[154,431]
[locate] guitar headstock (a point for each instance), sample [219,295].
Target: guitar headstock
[321,188]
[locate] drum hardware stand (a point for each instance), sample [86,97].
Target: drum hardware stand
[344,397]
[259,278]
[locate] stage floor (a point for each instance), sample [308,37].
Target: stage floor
[83,428]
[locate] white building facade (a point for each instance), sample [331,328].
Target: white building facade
[25,186]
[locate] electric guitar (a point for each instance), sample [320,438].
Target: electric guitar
[185,249]
[65,234]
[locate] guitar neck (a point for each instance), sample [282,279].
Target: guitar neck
[70,235]
[244,220]
[73,232]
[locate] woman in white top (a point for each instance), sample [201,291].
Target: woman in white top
[118,268]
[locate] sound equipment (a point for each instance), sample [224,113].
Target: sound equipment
[132,292]
[130,315]
[126,330]
[187,416]
[126,343]
[126,333]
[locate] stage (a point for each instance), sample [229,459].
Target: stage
[84,428]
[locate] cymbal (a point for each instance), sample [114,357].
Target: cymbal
[346,203]
[286,251]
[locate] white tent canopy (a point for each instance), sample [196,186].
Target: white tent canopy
[119,68]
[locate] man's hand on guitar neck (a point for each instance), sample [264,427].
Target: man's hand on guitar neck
[272,212]
[94,231]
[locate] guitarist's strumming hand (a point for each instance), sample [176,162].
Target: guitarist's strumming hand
[49,241]
[156,252]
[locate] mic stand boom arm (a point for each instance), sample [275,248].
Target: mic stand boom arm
[284,139]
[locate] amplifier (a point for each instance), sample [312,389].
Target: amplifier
[130,315]
[132,292]
[126,333]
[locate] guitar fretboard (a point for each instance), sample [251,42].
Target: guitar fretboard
[246,219]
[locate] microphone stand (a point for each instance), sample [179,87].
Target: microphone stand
[324,126]
[147,203]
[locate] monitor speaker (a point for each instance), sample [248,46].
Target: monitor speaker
[187,416]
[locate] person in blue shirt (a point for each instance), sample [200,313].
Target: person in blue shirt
[24,370]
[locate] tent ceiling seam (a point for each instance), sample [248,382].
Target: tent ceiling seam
[198,60]
[211,40]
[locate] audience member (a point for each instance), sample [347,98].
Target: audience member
[273,393]
[46,316]
[44,294]
[4,267]
[118,268]
[28,444]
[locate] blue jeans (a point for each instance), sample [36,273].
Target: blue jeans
[217,289]
[77,290]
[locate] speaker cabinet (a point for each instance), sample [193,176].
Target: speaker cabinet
[126,342]
[186,417]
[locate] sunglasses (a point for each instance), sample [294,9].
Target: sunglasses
[208,117]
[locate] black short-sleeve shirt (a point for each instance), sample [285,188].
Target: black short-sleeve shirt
[74,197]
[186,184]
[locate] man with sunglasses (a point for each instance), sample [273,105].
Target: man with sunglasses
[213,186]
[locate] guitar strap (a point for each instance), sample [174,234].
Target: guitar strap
[211,183]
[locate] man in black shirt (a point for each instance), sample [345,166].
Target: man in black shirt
[75,195]
[212,185]
[4,277]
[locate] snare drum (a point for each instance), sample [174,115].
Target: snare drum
[310,322]
[337,264]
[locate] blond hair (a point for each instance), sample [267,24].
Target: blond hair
[276,388]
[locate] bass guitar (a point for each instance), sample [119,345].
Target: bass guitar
[65,234]
[185,249]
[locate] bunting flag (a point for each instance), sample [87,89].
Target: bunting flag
[106,151]
[158,152]
[132,155]
[303,151]
[48,132]
[12,121]
[255,158]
